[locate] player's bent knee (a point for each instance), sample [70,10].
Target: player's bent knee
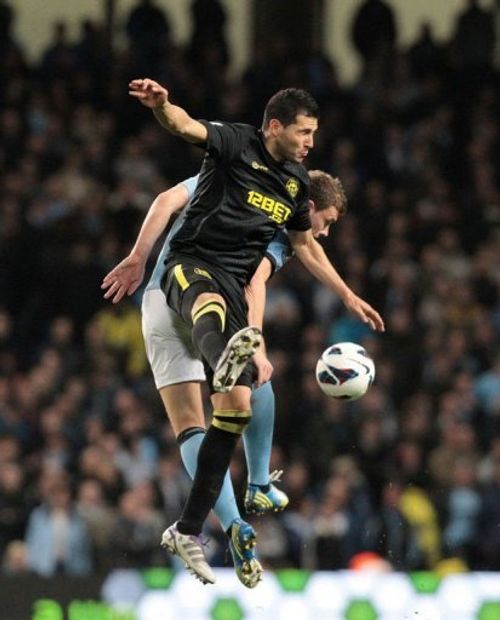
[196,295]
[238,398]
[231,420]
[208,297]
[208,305]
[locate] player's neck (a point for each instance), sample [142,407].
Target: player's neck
[271,148]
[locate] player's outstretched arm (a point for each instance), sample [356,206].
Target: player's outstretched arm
[174,118]
[255,294]
[314,259]
[125,278]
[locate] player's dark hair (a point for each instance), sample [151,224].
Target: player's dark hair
[325,191]
[286,104]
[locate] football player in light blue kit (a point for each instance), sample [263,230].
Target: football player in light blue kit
[178,370]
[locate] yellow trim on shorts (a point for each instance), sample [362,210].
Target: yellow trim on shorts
[180,277]
[211,306]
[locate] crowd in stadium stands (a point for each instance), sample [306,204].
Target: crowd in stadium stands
[412,470]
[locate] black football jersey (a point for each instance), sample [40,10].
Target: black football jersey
[243,195]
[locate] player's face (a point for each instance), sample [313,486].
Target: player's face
[294,141]
[322,220]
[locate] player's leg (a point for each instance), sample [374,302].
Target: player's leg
[195,295]
[258,436]
[208,313]
[190,438]
[177,373]
[184,406]
[231,414]
[261,496]
[172,359]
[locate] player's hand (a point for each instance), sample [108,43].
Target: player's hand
[148,92]
[264,368]
[364,312]
[124,279]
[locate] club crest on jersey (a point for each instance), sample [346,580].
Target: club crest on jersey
[257,166]
[292,186]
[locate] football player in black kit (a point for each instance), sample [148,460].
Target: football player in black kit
[251,183]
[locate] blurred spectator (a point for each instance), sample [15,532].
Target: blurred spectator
[148,30]
[486,532]
[99,519]
[394,535]
[425,54]
[96,461]
[121,329]
[463,506]
[474,38]
[374,31]
[90,50]
[15,559]
[208,44]
[58,60]
[458,439]
[56,537]
[173,485]
[487,391]
[6,18]
[334,534]
[420,512]
[13,508]
[134,540]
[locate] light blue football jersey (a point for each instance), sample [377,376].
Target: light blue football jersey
[159,270]
[279,251]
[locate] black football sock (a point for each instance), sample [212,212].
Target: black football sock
[213,461]
[207,333]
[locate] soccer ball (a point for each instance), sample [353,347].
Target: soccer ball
[345,371]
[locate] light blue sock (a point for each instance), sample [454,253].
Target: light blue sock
[258,436]
[225,508]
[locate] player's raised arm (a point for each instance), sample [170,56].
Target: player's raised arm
[174,118]
[313,257]
[125,278]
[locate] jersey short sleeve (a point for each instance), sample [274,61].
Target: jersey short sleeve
[225,141]
[190,185]
[279,251]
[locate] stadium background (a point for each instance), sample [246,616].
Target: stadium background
[410,474]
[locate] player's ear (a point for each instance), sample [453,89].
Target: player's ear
[274,126]
[311,205]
